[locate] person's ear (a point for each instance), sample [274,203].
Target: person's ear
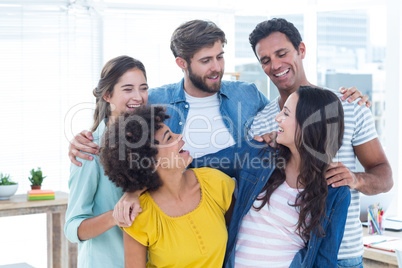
[182,63]
[302,50]
[106,97]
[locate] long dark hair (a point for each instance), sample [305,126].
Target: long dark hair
[318,137]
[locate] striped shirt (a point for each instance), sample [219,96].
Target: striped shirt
[267,237]
[359,129]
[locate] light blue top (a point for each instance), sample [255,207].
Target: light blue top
[92,194]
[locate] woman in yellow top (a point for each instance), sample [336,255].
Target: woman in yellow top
[183,218]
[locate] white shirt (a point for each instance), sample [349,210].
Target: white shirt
[204,131]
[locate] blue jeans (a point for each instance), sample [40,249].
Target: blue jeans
[351,263]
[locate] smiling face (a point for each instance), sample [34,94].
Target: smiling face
[282,62]
[206,69]
[129,92]
[170,150]
[287,122]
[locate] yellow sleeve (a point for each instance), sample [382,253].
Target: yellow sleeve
[144,226]
[218,185]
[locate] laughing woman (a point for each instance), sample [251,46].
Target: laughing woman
[89,217]
[183,218]
[285,214]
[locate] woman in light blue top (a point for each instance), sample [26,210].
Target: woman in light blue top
[89,218]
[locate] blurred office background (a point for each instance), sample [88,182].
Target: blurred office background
[52,52]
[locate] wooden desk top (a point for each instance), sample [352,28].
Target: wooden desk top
[21,201]
[382,256]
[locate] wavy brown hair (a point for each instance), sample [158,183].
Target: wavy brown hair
[128,152]
[194,35]
[318,137]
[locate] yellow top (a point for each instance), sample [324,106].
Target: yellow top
[197,239]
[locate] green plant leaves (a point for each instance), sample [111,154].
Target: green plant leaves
[5,179]
[36,177]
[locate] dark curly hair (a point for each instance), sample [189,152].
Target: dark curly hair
[318,137]
[128,149]
[265,28]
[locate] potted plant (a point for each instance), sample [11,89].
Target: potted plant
[36,178]
[7,187]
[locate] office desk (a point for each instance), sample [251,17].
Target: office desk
[375,258]
[60,252]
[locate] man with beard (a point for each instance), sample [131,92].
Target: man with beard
[212,114]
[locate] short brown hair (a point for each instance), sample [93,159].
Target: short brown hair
[194,35]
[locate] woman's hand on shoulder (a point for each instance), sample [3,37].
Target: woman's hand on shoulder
[127,209]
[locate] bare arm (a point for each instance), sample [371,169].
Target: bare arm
[134,252]
[92,227]
[377,177]
[82,142]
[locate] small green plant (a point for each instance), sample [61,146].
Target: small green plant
[5,179]
[36,177]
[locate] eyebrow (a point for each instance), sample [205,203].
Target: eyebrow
[164,134]
[263,59]
[284,107]
[210,57]
[131,85]
[276,52]
[280,50]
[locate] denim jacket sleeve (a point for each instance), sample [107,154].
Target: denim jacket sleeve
[323,251]
[223,160]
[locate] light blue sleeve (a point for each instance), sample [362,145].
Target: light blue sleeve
[83,184]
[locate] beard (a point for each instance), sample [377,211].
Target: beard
[199,82]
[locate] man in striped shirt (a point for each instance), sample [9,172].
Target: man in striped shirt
[280,51]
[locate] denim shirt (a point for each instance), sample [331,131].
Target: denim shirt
[239,103]
[252,163]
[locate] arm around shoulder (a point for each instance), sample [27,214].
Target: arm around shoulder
[377,177]
[82,183]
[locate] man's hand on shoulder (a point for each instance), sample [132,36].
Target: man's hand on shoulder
[351,94]
[82,142]
[269,138]
[339,175]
